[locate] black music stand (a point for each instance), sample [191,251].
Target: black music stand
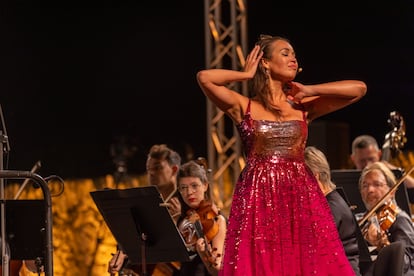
[25,229]
[141,225]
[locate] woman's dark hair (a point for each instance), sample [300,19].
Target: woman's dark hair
[259,84]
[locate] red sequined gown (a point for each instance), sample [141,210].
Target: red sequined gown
[280,222]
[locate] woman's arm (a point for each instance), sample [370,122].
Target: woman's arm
[324,98]
[117,262]
[213,83]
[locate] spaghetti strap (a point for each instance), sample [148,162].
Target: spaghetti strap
[248,107]
[304,116]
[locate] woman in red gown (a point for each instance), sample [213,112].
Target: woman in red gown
[280,222]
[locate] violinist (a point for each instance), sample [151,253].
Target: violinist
[199,212]
[389,225]
[162,167]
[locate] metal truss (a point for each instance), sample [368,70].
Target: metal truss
[226,45]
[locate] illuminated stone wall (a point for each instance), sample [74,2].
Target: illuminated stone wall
[82,242]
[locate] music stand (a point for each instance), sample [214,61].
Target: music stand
[141,225]
[25,229]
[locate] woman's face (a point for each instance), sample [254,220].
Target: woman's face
[282,62]
[192,190]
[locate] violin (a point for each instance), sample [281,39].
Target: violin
[201,223]
[207,215]
[376,231]
[387,214]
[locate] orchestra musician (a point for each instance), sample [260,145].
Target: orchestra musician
[162,166]
[390,229]
[201,224]
[365,151]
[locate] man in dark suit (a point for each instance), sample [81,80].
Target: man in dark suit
[390,229]
[162,168]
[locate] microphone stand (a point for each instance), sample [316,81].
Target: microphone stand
[3,141]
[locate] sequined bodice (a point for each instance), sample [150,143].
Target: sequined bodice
[273,139]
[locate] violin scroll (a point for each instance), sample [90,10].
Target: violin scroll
[191,228]
[395,139]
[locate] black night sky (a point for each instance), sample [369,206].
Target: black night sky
[75,79]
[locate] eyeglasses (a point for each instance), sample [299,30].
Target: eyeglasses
[365,186]
[194,187]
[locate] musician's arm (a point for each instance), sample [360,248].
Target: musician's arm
[175,208]
[216,249]
[117,262]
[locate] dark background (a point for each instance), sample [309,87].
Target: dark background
[76,79]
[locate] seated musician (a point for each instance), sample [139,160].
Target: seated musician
[389,224]
[201,224]
[162,167]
